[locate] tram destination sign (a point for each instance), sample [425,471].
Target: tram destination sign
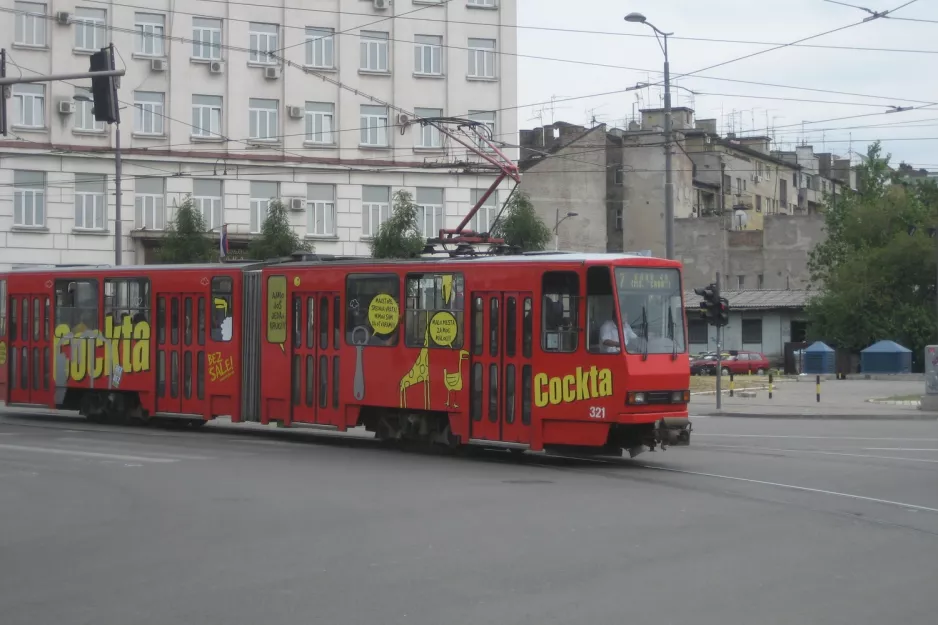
[648,280]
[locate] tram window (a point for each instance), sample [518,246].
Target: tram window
[201,322]
[161,320]
[434,314]
[372,296]
[37,322]
[174,321]
[130,297]
[526,395]
[310,322]
[527,328]
[200,375]
[336,321]
[560,310]
[14,315]
[297,321]
[511,326]
[46,321]
[24,320]
[493,326]
[3,307]
[188,322]
[600,307]
[478,324]
[222,312]
[323,322]
[76,304]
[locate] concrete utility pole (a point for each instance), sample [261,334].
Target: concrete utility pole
[719,354]
[638,18]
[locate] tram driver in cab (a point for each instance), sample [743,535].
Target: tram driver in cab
[609,334]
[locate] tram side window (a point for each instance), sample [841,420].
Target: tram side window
[600,308]
[76,304]
[560,311]
[435,310]
[222,313]
[372,313]
[128,297]
[3,307]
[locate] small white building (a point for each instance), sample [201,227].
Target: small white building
[210,109]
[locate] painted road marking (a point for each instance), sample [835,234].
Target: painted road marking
[897,449]
[86,454]
[823,453]
[833,438]
[88,442]
[806,489]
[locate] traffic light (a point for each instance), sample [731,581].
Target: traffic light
[104,88]
[723,312]
[708,307]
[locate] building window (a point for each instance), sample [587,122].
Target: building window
[620,221]
[374,51]
[428,55]
[429,211]
[29,101]
[207,198]
[30,24]
[697,332]
[206,115]
[320,48]
[29,198]
[84,117]
[148,113]
[481,58]
[320,209]
[90,201]
[376,208]
[759,203]
[740,283]
[262,118]
[149,203]
[752,331]
[761,280]
[206,38]
[429,136]
[320,122]
[360,290]
[374,125]
[150,30]
[620,176]
[484,218]
[263,43]
[429,295]
[487,118]
[90,32]
[481,3]
[262,194]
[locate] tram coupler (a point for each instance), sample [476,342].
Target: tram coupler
[673,432]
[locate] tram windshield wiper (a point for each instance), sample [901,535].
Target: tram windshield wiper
[644,333]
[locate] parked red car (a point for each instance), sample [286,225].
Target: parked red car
[746,362]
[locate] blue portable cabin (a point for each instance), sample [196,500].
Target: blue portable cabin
[819,359]
[886,357]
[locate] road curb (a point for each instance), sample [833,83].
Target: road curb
[911,416]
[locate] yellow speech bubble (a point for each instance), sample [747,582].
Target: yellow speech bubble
[443,328]
[383,314]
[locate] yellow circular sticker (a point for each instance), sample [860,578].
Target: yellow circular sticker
[3,353]
[296,281]
[443,328]
[383,314]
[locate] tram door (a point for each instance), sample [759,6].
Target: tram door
[180,353]
[501,369]
[314,368]
[28,355]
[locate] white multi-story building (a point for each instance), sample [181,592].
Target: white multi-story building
[236,103]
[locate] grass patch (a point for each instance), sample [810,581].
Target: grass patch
[700,383]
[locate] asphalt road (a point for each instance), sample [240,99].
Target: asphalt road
[759,522]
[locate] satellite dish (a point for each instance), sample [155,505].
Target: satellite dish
[740,219]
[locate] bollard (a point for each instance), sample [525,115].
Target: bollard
[817,384]
[732,385]
[770,386]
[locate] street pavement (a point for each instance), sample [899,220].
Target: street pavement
[840,399]
[760,521]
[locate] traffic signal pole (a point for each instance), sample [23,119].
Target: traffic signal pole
[18,80]
[719,352]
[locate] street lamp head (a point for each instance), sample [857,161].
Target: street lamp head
[81,97]
[637,18]
[572,214]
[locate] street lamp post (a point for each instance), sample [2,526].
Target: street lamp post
[638,18]
[117,184]
[557,222]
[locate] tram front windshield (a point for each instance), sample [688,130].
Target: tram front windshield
[652,311]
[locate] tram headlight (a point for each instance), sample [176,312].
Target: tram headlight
[680,397]
[636,398]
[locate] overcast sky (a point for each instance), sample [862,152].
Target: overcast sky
[896,78]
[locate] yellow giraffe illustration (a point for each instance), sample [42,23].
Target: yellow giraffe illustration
[453,381]
[420,372]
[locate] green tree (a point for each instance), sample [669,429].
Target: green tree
[186,240]
[277,238]
[399,236]
[521,226]
[875,272]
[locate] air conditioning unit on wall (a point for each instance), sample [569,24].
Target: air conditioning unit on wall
[297,204]
[382,4]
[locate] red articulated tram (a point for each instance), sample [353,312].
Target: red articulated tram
[532,351]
